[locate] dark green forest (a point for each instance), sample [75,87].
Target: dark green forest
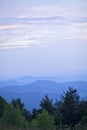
[69,113]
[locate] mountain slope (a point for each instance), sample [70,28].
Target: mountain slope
[32,93]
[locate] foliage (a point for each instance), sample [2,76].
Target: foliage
[82,125]
[19,105]
[47,104]
[70,113]
[2,106]
[12,118]
[70,107]
[35,112]
[44,121]
[67,111]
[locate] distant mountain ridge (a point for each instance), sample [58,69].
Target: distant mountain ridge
[33,91]
[26,80]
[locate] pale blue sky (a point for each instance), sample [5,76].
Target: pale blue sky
[43,37]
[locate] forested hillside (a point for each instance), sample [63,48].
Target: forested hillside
[69,113]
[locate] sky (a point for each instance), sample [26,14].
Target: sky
[43,38]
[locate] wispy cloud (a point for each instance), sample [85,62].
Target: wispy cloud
[5,27]
[45,25]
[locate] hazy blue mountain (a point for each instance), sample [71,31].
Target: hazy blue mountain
[17,81]
[9,83]
[32,93]
[26,80]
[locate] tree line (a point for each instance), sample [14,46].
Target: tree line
[69,113]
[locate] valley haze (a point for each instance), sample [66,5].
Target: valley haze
[31,90]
